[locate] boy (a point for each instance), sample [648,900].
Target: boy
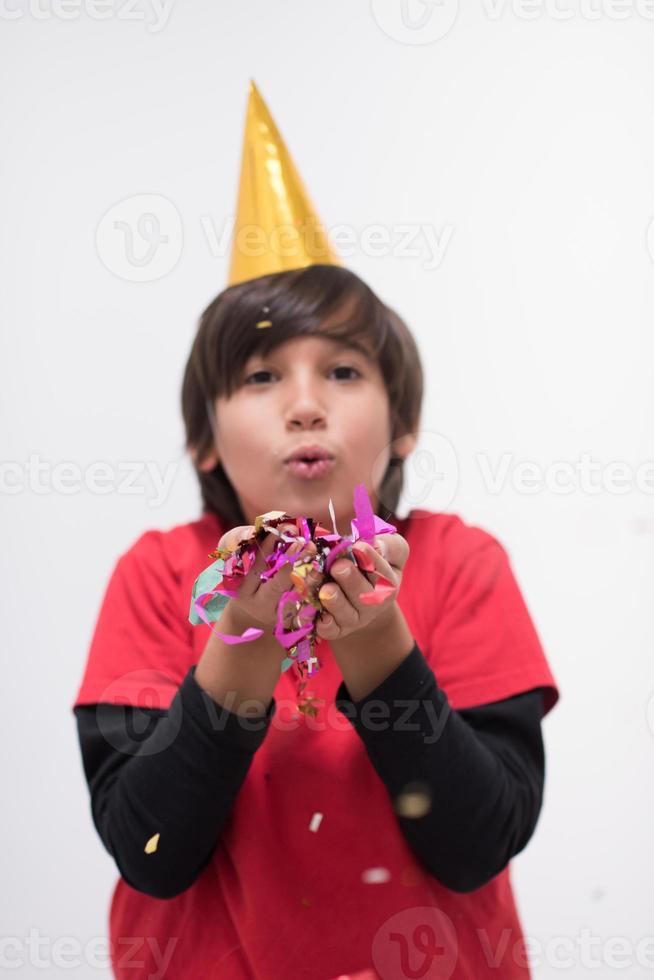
[374,834]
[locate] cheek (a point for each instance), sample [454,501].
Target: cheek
[240,435]
[369,421]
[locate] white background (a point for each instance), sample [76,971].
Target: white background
[529,134]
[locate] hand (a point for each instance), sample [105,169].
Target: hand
[257,601]
[345,613]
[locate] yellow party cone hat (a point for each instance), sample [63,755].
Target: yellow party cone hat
[276,226]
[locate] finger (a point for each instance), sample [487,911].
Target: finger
[367,556]
[232,538]
[251,581]
[338,605]
[326,626]
[352,582]
[394,548]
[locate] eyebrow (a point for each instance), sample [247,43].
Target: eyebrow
[340,345]
[353,345]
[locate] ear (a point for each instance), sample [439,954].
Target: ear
[404,445]
[207,463]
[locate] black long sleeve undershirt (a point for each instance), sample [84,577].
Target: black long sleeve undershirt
[178,773]
[483,769]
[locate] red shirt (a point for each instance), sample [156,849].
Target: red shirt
[279,900]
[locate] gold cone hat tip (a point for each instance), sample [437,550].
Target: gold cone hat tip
[276,226]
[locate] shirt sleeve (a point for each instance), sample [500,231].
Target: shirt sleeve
[483,645]
[467,785]
[165,776]
[142,646]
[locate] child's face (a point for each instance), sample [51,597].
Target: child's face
[309,390]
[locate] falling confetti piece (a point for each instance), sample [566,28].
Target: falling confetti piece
[413,804]
[332,515]
[152,844]
[375,876]
[316,820]
[359,975]
[309,704]
[264,323]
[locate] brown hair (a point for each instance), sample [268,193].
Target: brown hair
[320,300]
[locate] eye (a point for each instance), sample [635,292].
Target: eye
[249,380]
[347,368]
[255,374]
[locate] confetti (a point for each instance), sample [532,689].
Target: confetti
[264,323]
[333,516]
[152,844]
[359,975]
[382,590]
[375,876]
[413,802]
[311,551]
[316,820]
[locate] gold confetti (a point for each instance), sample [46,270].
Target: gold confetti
[152,844]
[264,323]
[262,520]
[310,705]
[413,802]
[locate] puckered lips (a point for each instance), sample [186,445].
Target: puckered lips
[310,462]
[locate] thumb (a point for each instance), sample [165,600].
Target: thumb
[232,538]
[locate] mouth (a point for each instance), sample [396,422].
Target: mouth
[310,469]
[310,463]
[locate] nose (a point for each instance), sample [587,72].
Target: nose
[304,409]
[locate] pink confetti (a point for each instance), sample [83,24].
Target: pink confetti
[327,548]
[382,590]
